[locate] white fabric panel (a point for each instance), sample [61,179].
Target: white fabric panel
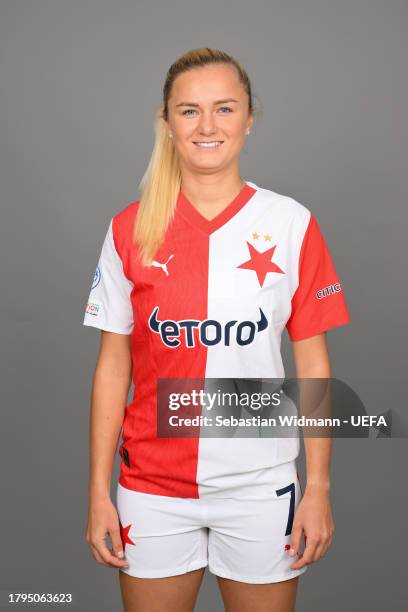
[109,305]
[235,293]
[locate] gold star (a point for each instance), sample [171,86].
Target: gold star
[267,237]
[255,235]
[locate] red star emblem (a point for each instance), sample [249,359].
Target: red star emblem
[261,262]
[124,534]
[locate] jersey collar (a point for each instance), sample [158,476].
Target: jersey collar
[187,209]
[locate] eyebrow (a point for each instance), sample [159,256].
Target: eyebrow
[196,105]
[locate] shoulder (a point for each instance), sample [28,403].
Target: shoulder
[284,206]
[127,214]
[122,225]
[123,220]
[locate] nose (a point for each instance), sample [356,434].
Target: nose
[207,124]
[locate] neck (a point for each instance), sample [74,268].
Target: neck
[208,189]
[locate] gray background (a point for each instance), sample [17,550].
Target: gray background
[80,82]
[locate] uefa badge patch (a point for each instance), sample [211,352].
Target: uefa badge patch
[94,308]
[97,277]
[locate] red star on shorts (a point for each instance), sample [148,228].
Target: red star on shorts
[261,263]
[124,534]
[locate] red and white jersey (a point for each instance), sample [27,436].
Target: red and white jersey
[213,304]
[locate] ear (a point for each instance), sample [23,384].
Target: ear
[165,123]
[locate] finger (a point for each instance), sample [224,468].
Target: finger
[93,549]
[117,545]
[295,540]
[296,564]
[324,546]
[320,550]
[96,555]
[307,556]
[309,553]
[107,555]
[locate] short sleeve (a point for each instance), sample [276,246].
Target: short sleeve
[318,303]
[109,305]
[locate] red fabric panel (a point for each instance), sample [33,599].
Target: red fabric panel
[318,303]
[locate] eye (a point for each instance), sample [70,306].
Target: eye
[222,108]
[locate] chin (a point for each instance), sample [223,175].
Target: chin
[210,164]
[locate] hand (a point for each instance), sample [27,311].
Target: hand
[103,519]
[314,517]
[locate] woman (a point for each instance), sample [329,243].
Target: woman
[198,280]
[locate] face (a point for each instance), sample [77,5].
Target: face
[208,105]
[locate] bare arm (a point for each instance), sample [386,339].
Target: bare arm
[312,361]
[111,383]
[314,516]
[110,388]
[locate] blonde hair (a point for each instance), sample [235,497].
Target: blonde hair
[161,181]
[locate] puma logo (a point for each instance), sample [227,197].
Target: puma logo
[163,266]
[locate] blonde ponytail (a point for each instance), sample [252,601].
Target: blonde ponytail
[161,182]
[160,186]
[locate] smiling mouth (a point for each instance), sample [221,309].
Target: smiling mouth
[209,145]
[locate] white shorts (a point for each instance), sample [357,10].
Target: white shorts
[238,538]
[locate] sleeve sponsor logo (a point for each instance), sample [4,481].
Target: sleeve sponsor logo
[94,308]
[329,290]
[96,278]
